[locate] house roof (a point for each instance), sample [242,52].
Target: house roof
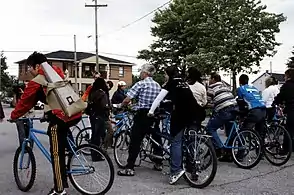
[279,77]
[69,55]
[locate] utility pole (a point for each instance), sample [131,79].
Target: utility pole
[271,67]
[76,66]
[96,6]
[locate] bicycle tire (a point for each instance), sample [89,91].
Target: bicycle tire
[288,149]
[79,136]
[260,152]
[15,169]
[213,172]
[107,158]
[116,143]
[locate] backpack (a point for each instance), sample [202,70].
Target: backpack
[97,104]
[59,93]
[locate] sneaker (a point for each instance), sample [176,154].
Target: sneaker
[175,177]
[158,167]
[53,192]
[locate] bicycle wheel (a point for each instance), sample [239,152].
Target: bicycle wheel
[97,163]
[75,130]
[199,158]
[245,142]
[23,162]
[121,148]
[275,151]
[84,136]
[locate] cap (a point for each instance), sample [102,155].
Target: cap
[122,83]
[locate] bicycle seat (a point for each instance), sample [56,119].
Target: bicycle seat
[160,115]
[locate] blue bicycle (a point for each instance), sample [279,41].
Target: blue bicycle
[121,122]
[245,145]
[78,164]
[76,128]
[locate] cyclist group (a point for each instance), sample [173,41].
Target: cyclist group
[189,99]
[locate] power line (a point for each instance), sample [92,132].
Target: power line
[31,51]
[137,20]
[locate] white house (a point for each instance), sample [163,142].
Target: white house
[259,83]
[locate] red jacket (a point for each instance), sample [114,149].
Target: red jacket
[33,93]
[86,94]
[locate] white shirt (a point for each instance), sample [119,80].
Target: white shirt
[269,94]
[199,93]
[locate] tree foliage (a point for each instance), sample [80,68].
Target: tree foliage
[290,63]
[7,81]
[158,77]
[213,35]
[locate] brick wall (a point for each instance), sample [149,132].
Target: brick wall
[115,71]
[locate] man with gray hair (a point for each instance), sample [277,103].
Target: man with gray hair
[145,91]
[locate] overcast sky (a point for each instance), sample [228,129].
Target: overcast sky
[28,25]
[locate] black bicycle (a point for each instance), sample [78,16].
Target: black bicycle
[198,152]
[277,142]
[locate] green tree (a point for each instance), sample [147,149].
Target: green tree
[135,79]
[213,35]
[290,62]
[158,77]
[7,81]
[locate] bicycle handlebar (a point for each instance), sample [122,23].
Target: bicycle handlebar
[29,119]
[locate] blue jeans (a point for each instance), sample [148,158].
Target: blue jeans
[220,118]
[176,153]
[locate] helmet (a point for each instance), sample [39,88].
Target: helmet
[122,83]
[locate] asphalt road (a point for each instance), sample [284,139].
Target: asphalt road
[264,179]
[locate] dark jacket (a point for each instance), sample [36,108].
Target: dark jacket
[286,96]
[98,104]
[118,97]
[2,116]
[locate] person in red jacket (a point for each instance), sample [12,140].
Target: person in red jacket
[59,123]
[88,90]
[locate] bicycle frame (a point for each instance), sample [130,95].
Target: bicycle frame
[124,121]
[83,123]
[234,130]
[32,138]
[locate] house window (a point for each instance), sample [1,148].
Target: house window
[121,71]
[88,70]
[102,70]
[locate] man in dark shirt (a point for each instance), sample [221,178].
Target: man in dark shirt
[119,95]
[286,97]
[186,110]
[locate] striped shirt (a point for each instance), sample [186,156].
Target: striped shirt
[221,96]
